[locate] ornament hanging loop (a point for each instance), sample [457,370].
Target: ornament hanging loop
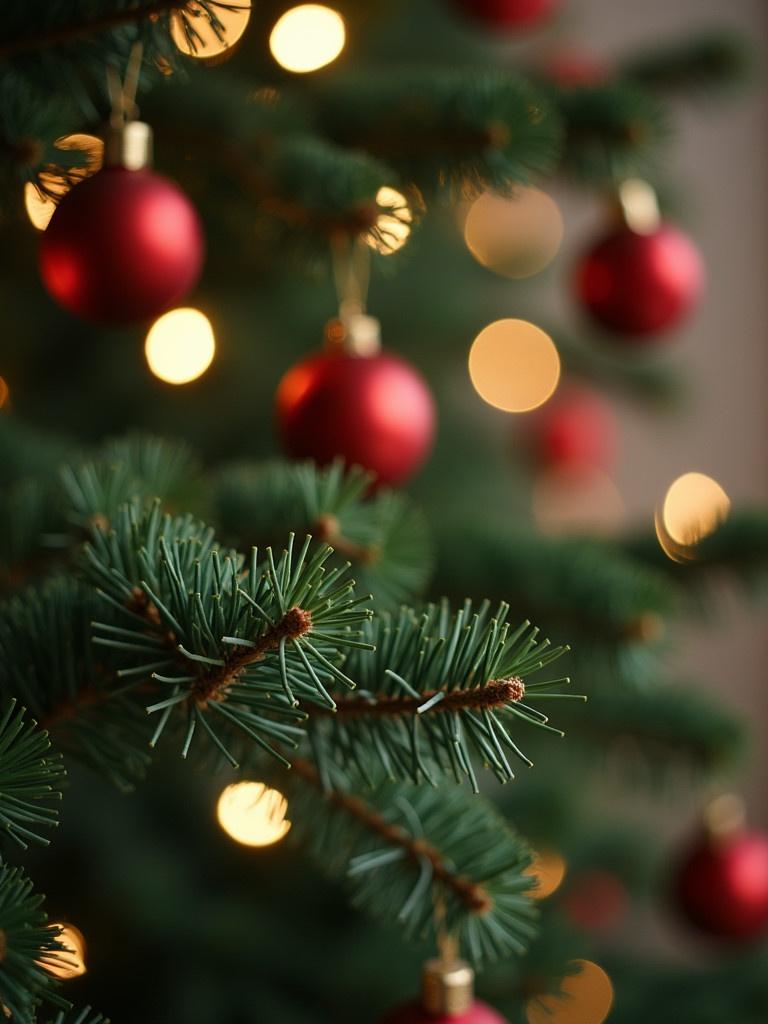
[128,141]
[353,330]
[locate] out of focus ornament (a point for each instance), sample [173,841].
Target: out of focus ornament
[509,15]
[596,901]
[575,430]
[125,244]
[352,400]
[642,277]
[447,997]
[721,883]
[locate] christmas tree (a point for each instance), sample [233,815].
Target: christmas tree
[296,630]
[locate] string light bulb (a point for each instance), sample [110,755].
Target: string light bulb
[5,394]
[516,236]
[694,506]
[585,997]
[253,814]
[195,35]
[180,346]
[70,961]
[307,37]
[514,365]
[393,225]
[548,868]
[40,202]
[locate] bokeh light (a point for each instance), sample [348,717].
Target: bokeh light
[517,236]
[180,346]
[585,997]
[393,226]
[574,500]
[514,365]
[694,506]
[548,868]
[40,203]
[253,814]
[70,962]
[5,394]
[197,37]
[307,37]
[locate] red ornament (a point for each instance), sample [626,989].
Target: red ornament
[596,901]
[123,245]
[572,69]
[574,430]
[638,284]
[413,1013]
[509,14]
[374,411]
[722,885]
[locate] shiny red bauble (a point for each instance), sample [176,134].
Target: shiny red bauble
[575,430]
[509,14]
[122,246]
[413,1013]
[373,411]
[640,284]
[721,885]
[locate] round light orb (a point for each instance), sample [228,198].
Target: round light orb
[69,962]
[515,236]
[585,997]
[180,346]
[393,227]
[40,203]
[576,501]
[514,365]
[195,36]
[253,814]
[548,868]
[5,393]
[694,506]
[307,37]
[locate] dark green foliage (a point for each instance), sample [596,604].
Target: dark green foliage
[85,1016]
[703,64]
[383,535]
[30,778]
[484,895]
[27,943]
[462,130]
[438,686]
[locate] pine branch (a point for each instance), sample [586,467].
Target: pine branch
[27,946]
[704,64]
[85,1016]
[30,778]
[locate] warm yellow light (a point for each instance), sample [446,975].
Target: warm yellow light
[515,237]
[193,34]
[585,997]
[694,506]
[5,393]
[39,204]
[564,501]
[548,868]
[69,962]
[180,346]
[514,365]
[253,814]
[307,37]
[393,226]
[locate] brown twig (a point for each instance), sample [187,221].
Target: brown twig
[327,528]
[493,694]
[472,894]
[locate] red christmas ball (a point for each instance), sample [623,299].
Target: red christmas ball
[722,885]
[574,430]
[374,411]
[640,284]
[509,14]
[413,1013]
[122,246]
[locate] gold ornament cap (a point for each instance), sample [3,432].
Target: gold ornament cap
[128,145]
[357,334]
[447,987]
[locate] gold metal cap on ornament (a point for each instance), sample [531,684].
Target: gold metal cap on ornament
[128,145]
[447,987]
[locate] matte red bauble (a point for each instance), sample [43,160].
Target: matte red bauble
[122,246]
[374,411]
[640,284]
[574,430]
[722,885]
[509,14]
[413,1013]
